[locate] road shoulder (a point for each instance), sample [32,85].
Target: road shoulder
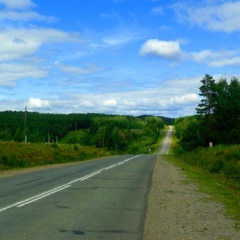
[177,210]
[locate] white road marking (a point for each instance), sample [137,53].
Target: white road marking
[32,198]
[42,196]
[62,187]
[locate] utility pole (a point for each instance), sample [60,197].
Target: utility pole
[25,125]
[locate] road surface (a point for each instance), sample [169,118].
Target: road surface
[166,144]
[102,199]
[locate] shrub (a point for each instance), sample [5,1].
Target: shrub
[224,160]
[4,160]
[217,166]
[232,171]
[75,147]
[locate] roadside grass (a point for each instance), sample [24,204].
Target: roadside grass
[22,155]
[215,186]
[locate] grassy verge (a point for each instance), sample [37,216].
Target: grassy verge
[215,186]
[21,155]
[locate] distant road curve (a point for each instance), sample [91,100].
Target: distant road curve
[166,144]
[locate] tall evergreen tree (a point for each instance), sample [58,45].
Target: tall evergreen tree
[207,105]
[208,94]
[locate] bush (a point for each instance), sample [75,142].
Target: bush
[75,147]
[4,160]
[217,166]
[232,171]
[224,160]
[54,145]
[12,162]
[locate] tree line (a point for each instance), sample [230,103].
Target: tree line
[217,118]
[113,132]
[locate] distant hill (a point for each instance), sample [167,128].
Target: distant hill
[166,120]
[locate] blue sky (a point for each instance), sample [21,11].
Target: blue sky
[128,57]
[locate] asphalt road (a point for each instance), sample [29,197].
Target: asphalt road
[166,144]
[102,199]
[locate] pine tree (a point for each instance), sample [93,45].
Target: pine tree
[207,105]
[208,94]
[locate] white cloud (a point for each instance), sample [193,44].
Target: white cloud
[18,43]
[216,58]
[163,49]
[75,70]
[185,98]
[38,103]
[87,103]
[216,17]
[24,16]
[10,73]
[225,62]
[176,97]
[110,103]
[19,10]
[18,4]
[171,50]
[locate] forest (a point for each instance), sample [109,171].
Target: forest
[112,132]
[217,119]
[209,141]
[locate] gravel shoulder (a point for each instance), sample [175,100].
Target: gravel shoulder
[177,210]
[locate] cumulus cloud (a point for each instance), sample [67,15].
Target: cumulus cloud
[170,50]
[163,49]
[216,17]
[38,103]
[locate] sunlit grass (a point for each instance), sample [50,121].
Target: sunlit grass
[20,155]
